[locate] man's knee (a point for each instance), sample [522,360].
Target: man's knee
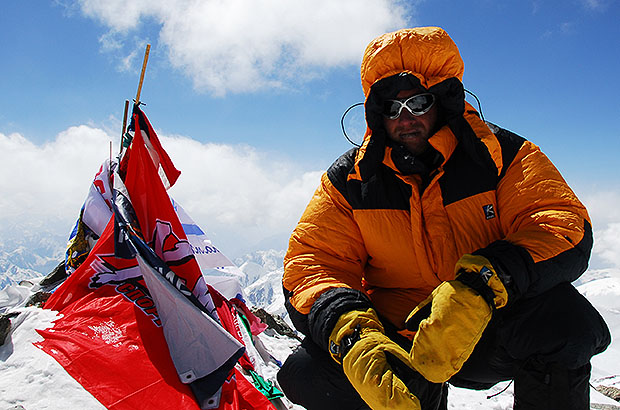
[289,378]
[551,386]
[309,377]
[559,326]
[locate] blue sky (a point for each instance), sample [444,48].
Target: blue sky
[267,82]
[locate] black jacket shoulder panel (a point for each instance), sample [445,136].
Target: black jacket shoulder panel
[340,169]
[381,189]
[510,142]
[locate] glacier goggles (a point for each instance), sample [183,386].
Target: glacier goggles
[417,105]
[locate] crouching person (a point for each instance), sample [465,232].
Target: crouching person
[442,250]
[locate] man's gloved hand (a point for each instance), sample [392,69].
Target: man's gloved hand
[471,268]
[450,322]
[372,362]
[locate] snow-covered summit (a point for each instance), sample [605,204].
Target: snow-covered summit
[263,284]
[32,379]
[259,263]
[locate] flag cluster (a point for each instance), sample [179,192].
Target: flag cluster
[141,327]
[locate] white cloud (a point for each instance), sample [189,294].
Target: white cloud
[248,45]
[594,4]
[605,214]
[607,244]
[240,196]
[49,180]
[602,206]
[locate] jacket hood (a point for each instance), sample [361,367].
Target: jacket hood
[428,53]
[423,57]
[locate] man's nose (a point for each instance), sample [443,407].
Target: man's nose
[406,116]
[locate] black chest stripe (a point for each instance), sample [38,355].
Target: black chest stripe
[462,178]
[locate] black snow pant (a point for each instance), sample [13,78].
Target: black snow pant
[543,343]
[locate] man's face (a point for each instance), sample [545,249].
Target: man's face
[412,131]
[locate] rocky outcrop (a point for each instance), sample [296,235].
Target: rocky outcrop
[275,323]
[5,326]
[610,391]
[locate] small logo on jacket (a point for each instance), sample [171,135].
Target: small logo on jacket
[489,211]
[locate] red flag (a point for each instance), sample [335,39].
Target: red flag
[158,155]
[157,219]
[109,337]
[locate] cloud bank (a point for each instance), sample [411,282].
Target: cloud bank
[242,45]
[605,214]
[244,199]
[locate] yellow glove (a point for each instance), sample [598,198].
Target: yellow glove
[451,320]
[358,342]
[482,268]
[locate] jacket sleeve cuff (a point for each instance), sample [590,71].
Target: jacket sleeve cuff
[522,277]
[329,307]
[512,265]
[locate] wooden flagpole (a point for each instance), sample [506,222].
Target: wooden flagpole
[146,59]
[137,100]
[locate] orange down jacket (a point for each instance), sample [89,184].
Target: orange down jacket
[374,235]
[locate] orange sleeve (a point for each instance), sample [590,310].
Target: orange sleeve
[325,250]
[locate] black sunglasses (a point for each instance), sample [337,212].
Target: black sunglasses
[417,105]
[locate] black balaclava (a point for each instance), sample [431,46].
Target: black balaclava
[406,162]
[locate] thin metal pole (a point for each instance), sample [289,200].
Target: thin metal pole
[124,125]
